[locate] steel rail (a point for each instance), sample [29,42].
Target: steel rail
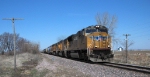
[137,68]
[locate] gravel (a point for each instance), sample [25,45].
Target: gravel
[62,67]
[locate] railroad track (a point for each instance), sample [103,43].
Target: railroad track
[128,67]
[118,65]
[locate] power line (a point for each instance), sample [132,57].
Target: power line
[13,19]
[126,45]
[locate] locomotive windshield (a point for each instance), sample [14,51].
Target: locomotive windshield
[90,30]
[95,30]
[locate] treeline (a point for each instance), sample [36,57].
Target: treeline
[22,44]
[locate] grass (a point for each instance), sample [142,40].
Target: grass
[26,64]
[134,57]
[28,73]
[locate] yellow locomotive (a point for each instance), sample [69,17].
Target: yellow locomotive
[92,43]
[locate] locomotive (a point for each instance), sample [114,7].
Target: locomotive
[92,43]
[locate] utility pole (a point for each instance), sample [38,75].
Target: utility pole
[14,40]
[126,46]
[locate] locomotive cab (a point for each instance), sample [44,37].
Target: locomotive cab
[98,43]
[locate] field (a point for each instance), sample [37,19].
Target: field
[25,63]
[39,65]
[134,57]
[36,65]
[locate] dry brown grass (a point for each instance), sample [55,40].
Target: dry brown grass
[134,57]
[26,63]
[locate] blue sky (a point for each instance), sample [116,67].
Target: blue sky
[47,20]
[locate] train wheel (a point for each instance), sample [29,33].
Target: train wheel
[57,53]
[63,54]
[110,59]
[54,53]
[80,54]
[68,54]
[86,57]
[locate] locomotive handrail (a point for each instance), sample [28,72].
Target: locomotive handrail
[88,48]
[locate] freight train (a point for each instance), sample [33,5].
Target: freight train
[92,43]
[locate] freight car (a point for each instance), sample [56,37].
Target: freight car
[91,43]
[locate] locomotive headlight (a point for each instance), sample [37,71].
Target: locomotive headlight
[97,26]
[95,46]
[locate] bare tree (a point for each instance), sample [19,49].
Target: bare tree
[106,20]
[4,42]
[110,22]
[1,45]
[130,43]
[22,45]
[33,47]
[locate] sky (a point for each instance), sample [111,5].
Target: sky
[45,21]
